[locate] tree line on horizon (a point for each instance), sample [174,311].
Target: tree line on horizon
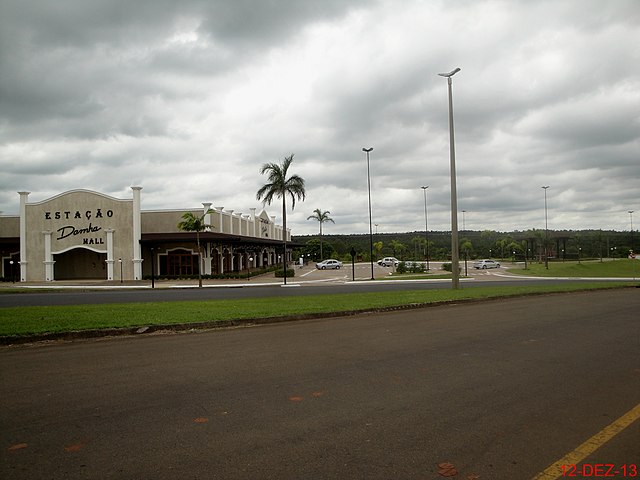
[561,244]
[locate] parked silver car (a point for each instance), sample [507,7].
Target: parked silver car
[484,264]
[329,264]
[389,261]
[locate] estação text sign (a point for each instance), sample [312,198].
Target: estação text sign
[86,232]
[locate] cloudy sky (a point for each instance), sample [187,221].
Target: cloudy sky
[188,99]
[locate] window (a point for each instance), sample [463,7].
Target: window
[178,263]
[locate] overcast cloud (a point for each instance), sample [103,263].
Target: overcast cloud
[188,99]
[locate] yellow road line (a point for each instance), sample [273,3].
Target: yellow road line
[554,471]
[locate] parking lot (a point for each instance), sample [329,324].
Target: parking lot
[309,273]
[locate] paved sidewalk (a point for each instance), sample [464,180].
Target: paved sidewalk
[261,280]
[267,279]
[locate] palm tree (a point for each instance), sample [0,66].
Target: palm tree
[377,247]
[321,217]
[397,247]
[280,186]
[193,223]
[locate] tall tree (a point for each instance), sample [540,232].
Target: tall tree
[397,247]
[377,247]
[280,186]
[321,217]
[194,223]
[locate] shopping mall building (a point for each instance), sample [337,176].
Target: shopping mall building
[83,234]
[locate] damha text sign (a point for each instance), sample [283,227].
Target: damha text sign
[70,230]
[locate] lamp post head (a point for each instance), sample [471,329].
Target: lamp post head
[367,149]
[450,74]
[424,188]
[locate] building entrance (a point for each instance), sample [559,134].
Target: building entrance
[81,264]
[179,262]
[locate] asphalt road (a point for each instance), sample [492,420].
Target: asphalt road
[498,389]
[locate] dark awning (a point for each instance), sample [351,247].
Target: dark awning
[211,237]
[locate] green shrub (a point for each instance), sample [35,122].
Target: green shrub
[418,267]
[447,267]
[280,273]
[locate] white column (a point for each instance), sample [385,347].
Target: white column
[207,216]
[219,209]
[24,197]
[137,235]
[239,216]
[206,258]
[48,257]
[253,229]
[230,212]
[110,261]
[272,228]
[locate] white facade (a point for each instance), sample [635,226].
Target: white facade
[86,234]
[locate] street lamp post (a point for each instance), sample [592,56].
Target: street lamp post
[455,261]
[367,151]
[153,268]
[631,220]
[120,260]
[546,231]
[426,225]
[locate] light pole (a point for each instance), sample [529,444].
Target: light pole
[466,250]
[120,260]
[631,220]
[367,150]
[153,271]
[546,231]
[426,224]
[455,261]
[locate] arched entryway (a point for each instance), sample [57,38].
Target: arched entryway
[215,261]
[80,264]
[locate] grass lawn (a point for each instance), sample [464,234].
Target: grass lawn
[24,321]
[622,268]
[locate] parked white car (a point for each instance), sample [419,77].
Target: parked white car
[484,264]
[388,262]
